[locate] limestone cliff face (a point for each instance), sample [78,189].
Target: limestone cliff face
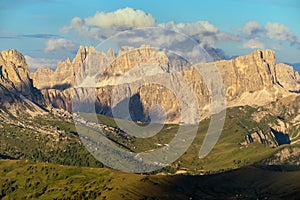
[14,77]
[89,62]
[18,97]
[288,77]
[63,77]
[249,73]
[43,78]
[130,59]
[14,69]
[253,79]
[112,68]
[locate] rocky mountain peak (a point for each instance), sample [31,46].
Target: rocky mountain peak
[253,79]
[14,57]
[68,72]
[15,80]
[288,77]
[82,53]
[266,55]
[14,69]
[110,52]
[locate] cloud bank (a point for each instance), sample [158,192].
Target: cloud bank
[271,30]
[203,31]
[60,44]
[34,63]
[105,24]
[127,17]
[254,44]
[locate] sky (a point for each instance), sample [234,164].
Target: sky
[47,31]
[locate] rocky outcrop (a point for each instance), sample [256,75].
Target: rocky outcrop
[286,156]
[253,79]
[288,77]
[271,138]
[277,123]
[262,138]
[17,93]
[14,77]
[64,75]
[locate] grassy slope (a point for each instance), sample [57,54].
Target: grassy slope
[228,154]
[49,181]
[63,148]
[22,179]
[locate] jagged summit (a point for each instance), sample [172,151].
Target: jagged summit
[17,93]
[15,57]
[253,79]
[68,71]
[15,74]
[82,53]
[14,68]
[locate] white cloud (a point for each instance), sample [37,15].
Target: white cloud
[35,63]
[279,32]
[252,28]
[105,24]
[254,44]
[191,28]
[60,44]
[78,25]
[203,31]
[271,30]
[126,17]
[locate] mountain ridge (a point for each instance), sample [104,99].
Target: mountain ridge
[273,123]
[253,79]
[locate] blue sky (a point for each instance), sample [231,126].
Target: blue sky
[44,32]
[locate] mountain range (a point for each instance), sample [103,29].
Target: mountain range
[254,79]
[262,122]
